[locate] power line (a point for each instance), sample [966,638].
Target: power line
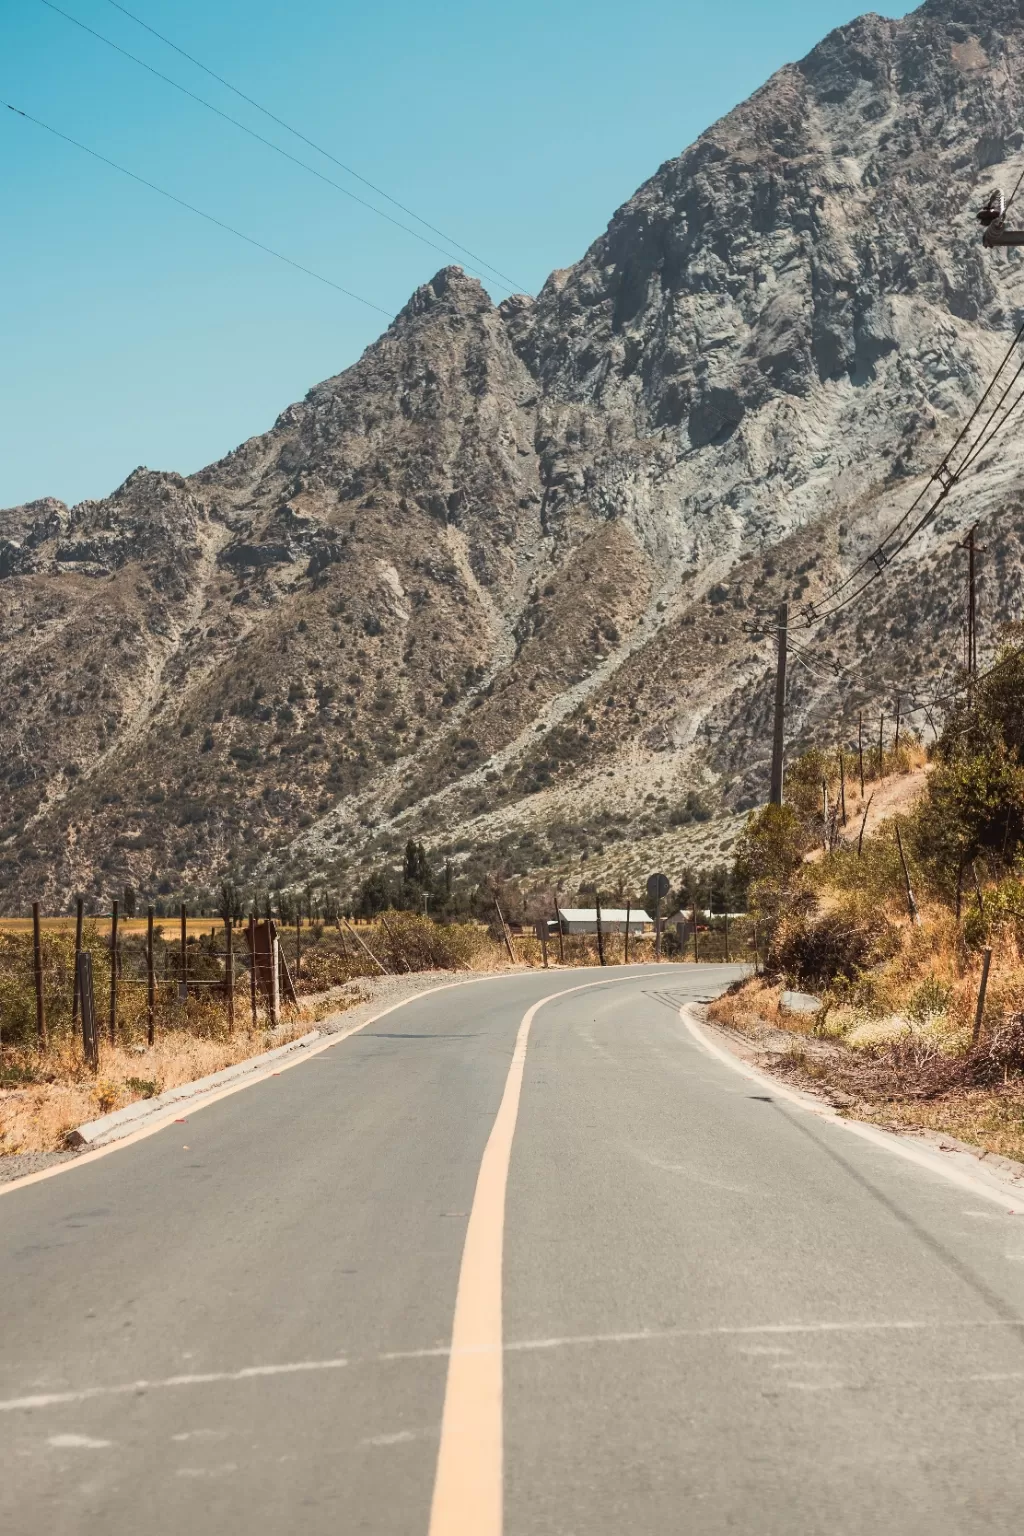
[244,128]
[513,285]
[945,476]
[209,217]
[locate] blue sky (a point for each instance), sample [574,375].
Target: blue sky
[133,332]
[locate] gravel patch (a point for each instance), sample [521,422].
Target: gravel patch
[15,1165]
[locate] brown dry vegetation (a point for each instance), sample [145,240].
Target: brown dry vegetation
[893,1039]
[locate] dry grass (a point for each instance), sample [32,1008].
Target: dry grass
[901,1073]
[989,1118]
[35,1116]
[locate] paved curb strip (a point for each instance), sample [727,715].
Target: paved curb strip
[94,1133]
[951,1166]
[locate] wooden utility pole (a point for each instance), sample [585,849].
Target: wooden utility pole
[37,967]
[79,919]
[150,980]
[600,935]
[896,738]
[112,1022]
[842,787]
[881,745]
[779,732]
[860,749]
[183,986]
[972,607]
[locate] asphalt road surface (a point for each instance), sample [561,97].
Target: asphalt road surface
[715,1312]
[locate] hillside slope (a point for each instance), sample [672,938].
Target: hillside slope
[491,581]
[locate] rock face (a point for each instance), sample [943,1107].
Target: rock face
[496,579]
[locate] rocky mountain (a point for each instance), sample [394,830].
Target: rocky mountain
[494,584]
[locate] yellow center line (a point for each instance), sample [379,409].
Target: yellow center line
[469,1483]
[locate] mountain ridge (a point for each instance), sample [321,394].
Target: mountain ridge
[492,580]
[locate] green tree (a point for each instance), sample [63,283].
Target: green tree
[771,845]
[375,894]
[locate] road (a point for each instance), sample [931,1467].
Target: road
[714,1311]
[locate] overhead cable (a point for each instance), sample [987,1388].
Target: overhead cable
[946,475]
[209,217]
[281,123]
[244,128]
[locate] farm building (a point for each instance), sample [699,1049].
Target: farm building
[613,920]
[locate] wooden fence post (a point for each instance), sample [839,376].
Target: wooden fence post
[979,1012]
[727,935]
[696,952]
[382,968]
[252,970]
[90,1034]
[600,935]
[860,749]
[183,986]
[112,1027]
[150,980]
[625,951]
[558,928]
[508,937]
[275,978]
[915,916]
[79,918]
[37,966]
[229,974]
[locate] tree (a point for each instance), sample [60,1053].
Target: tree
[375,894]
[129,901]
[769,853]
[417,869]
[229,901]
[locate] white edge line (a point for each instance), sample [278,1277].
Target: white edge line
[1012,1204]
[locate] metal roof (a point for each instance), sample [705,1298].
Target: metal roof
[608,915]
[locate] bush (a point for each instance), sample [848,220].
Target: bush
[817,950]
[406,941]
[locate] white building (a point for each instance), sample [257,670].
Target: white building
[613,920]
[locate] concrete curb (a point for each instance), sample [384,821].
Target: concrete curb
[110,1127]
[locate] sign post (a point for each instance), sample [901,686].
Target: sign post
[657,887]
